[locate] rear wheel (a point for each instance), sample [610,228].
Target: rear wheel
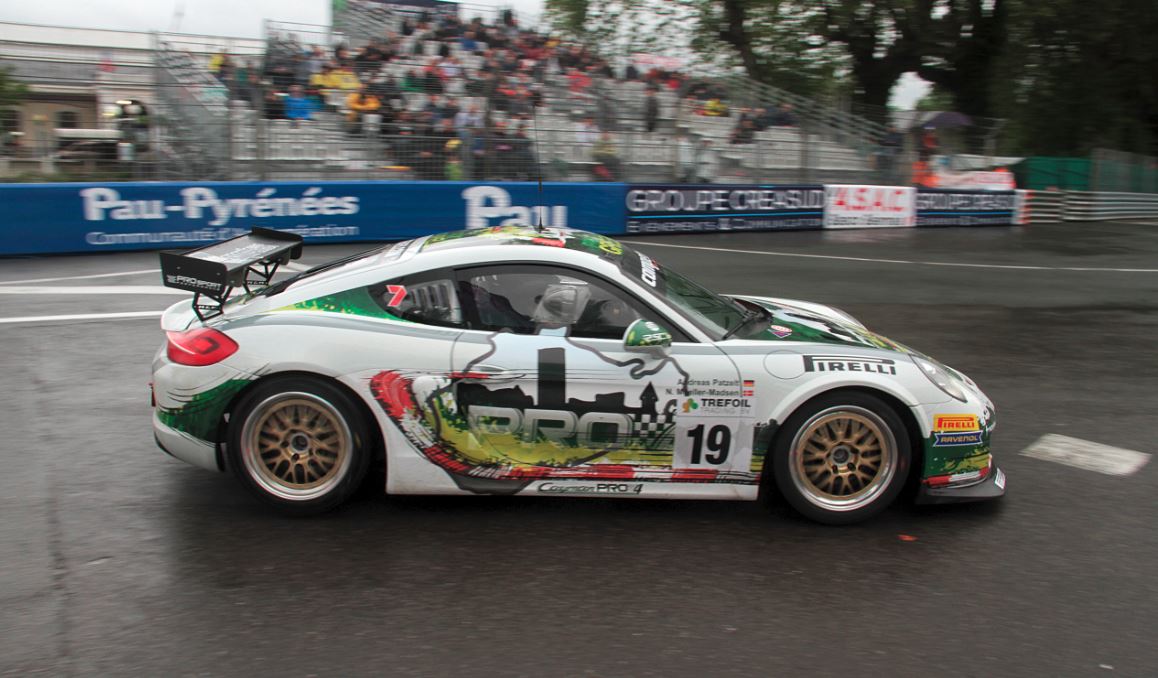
[299,444]
[842,458]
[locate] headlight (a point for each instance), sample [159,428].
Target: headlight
[939,375]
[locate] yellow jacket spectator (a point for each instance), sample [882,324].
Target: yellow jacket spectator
[361,103]
[715,107]
[344,78]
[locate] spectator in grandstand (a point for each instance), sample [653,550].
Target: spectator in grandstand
[714,107]
[411,82]
[761,119]
[522,104]
[243,81]
[467,43]
[524,165]
[651,111]
[343,77]
[468,118]
[272,107]
[432,80]
[301,69]
[298,106]
[578,81]
[385,87]
[929,145]
[744,132]
[707,162]
[587,132]
[216,60]
[316,59]
[785,116]
[454,168]
[450,68]
[685,158]
[608,166]
[360,103]
[502,153]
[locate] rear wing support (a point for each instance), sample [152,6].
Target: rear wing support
[212,272]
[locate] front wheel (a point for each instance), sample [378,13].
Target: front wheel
[841,458]
[299,444]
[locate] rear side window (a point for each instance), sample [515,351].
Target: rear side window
[427,298]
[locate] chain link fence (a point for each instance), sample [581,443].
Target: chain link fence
[1123,172]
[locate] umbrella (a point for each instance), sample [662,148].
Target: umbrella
[948,119]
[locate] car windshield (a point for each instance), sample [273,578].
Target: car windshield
[717,315]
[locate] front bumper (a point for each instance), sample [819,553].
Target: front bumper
[992,487]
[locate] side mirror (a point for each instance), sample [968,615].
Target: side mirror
[644,336]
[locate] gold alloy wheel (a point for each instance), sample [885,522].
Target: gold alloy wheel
[296,446]
[843,458]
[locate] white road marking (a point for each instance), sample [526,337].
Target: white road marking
[96,289]
[80,277]
[82,316]
[895,261]
[1083,454]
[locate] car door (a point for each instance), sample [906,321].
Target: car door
[549,391]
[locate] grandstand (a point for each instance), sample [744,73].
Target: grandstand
[543,106]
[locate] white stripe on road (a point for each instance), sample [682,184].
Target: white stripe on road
[80,277]
[1083,454]
[82,316]
[96,289]
[894,261]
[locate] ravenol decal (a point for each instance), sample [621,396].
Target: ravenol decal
[951,430]
[847,363]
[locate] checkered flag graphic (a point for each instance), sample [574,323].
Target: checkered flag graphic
[655,431]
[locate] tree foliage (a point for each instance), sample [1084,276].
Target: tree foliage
[12,91]
[1081,75]
[1068,75]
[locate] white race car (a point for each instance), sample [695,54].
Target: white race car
[515,360]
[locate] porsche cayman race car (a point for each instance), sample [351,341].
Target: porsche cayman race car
[516,360]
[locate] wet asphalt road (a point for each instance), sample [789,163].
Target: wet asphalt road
[118,560]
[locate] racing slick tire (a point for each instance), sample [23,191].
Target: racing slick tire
[841,458]
[299,444]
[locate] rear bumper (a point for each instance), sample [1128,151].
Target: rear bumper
[992,487]
[185,447]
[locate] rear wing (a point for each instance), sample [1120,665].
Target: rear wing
[212,272]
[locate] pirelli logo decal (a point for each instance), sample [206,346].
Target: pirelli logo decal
[847,363]
[953,430]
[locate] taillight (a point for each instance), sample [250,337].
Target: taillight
[199,347]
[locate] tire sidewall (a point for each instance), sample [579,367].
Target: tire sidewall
[346,407]
[781,457]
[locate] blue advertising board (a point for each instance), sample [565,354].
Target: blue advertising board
[952,207]
[60,218]
[690,209]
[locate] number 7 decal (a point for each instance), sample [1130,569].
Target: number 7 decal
[398,292]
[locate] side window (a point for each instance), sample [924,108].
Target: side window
[528,299]
[429,299]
